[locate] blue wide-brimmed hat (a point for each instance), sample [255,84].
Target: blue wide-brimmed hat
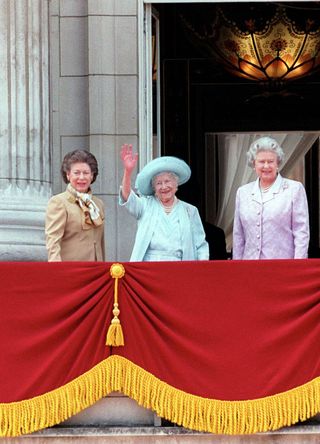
[164,164]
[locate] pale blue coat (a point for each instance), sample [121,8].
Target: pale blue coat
[277,228]
[146,210]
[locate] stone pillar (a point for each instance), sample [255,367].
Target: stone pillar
[24,129]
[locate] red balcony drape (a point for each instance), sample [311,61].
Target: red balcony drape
[220,346]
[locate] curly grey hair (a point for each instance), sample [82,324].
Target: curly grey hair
[265,143]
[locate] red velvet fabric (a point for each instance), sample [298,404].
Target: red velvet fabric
[54,319]
[229,330]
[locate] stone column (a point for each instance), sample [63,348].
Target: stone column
[24,129]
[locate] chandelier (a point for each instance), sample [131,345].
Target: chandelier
[266,42]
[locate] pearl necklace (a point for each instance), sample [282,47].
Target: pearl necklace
[265,190]
[168,208]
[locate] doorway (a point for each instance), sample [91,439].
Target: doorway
[197,104]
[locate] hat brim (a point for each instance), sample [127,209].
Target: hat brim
[164,164]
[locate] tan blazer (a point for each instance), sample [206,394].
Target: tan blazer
[68,237]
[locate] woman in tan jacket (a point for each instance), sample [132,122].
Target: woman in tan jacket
[75,219]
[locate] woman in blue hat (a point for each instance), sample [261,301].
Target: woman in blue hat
[168,228]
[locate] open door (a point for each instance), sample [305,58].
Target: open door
[149,83]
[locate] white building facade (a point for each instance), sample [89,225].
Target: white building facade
[75,74]
[69,80]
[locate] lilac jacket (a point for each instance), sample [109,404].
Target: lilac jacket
[275,229]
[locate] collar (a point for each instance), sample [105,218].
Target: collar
[275,188]
[70,197]
[72,193]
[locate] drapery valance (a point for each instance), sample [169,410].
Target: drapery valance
[225,347]
[234,170]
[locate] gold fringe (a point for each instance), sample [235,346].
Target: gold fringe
[115,334]
[194,412]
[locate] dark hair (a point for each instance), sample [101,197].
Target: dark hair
[81,156]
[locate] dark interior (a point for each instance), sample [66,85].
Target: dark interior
[198,95]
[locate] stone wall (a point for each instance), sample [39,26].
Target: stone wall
[94,92]
[69,80]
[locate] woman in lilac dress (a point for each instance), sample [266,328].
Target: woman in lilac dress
[271,218]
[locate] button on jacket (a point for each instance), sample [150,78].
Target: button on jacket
[276,228]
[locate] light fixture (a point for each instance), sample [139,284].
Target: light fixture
[265,42]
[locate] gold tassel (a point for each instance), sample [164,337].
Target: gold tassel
[115,333]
